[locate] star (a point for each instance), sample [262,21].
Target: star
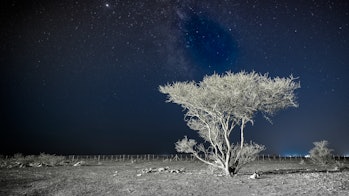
[86,77]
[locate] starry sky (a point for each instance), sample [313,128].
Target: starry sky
[82,77]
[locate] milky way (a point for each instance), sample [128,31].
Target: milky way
[208,44]
[83,76]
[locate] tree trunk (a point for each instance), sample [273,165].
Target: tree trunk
[242,139]
[227,170]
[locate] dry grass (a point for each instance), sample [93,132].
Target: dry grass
[196,180]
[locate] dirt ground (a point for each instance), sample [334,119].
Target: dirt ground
[126,178]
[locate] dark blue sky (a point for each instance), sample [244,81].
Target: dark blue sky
[81,77]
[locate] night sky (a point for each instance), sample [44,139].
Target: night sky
[82,77]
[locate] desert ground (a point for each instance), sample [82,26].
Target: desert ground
[164,177]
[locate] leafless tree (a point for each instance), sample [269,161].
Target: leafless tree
[219,103]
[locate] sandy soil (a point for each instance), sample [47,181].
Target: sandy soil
[120,178]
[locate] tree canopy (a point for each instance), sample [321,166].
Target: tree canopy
[218,103]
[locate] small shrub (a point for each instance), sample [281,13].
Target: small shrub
[339,166]
[18,157]
[3,162]
[320,154]
[28,159]
[302,162]
[50,160]
[19,160]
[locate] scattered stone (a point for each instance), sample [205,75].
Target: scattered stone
[16,165]
[174,171]
[146,170]
[35,164]
[79,163]
[255,175]
[115,173]
[177,171]
[161,169]
[47,164]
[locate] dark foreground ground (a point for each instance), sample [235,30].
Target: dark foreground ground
[126,178]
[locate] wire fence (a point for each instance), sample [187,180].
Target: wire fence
[182,157]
